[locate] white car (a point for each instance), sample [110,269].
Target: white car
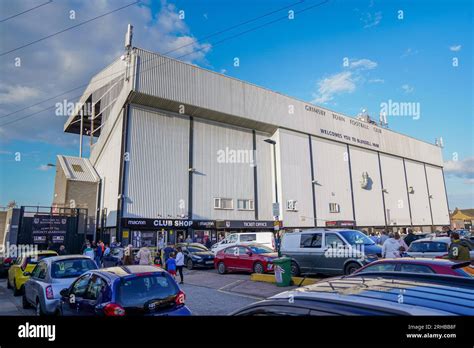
[431,247]
[265,238]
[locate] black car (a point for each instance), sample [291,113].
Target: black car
[196,254]
[372,293]
[136,290]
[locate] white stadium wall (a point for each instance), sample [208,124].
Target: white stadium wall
[294,176]
[156,173]
[333,185]
[220,172]
[396,196]
[368,201]
[420,206]
[439,206]
[265,183]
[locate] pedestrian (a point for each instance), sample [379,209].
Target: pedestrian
[374,237]
[459,248]
[171,265]
[447,230]
[98,255]
[144,256]
[383,237]
[208,242]
[394,246]
[410,237]
[166,252]
[62,250]
[88,251]
[107,250]
[180,263]
[128,255]
[188,239]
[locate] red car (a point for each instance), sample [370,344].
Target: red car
[420,265]
[252,257]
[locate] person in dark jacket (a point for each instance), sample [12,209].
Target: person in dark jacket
[410,237]
[459,248]
[62,250]
[447,230]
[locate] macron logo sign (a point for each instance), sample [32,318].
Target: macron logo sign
[37,331]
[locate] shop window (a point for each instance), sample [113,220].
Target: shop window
[223,203]
[245,204]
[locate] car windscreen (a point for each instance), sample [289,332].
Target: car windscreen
[71,268]
[194,249]
[260,249]
[428,247]
[356,238]
[136,291]
[248,237]
[33,260]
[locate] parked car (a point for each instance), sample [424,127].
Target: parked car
[432,247]
[196,254]
[135,290]
[25,263]
[5,263]
[382,293]
[328,251]
[420,265]
[114,258]
[49,277]
[265,238]
[256,258]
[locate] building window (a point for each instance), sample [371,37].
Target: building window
[291,205]
[334,208]
[77,168]
[245,204]
[223,203]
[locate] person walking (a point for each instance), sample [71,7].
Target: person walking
[171,265]
[144,256]
[374,237]
[394,246]
[180,263]
[166,252]
[459,248]
[88,251]
[128,255]
[188,239]
[98,255]
[383,237]
[410,238]
[62,250]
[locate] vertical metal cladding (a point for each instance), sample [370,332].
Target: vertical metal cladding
[108,167]
[264,176]
[417,189]
[331,173]
[295,178]
[367,192]
[156,179]
[396,195]
[222,159]
[439,206]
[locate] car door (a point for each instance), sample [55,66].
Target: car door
[71,305]
[37,282]
[244,260]
[230,257]
[30,285]
[94,295]
[312,252]
[332,260]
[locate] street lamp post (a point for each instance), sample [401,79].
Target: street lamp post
[276,217]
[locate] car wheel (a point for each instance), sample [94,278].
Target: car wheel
[189,264]
[351,268]
[16,292]
[258,268]
[295,269]
[221,268]
[38,310]
[24,302]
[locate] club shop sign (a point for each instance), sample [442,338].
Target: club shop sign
[136,223]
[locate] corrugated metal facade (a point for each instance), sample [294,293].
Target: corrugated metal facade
[419,203]
[439,206]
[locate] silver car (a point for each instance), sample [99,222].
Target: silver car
[49,277]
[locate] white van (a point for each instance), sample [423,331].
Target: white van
[265,238]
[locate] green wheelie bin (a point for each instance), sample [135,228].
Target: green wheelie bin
[282,268]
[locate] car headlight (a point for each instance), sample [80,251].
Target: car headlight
[194,257]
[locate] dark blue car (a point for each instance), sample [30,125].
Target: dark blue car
[124,290]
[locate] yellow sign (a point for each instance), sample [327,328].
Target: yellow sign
[124,234]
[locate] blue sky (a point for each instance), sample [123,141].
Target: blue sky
[404,60]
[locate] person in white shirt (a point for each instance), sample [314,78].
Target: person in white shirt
[180,263]
[144,256]
[394,246]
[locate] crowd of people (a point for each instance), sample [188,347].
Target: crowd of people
[394,246]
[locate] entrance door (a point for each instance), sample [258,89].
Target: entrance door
[180,236]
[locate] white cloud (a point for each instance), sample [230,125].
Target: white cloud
[371,19]
[14,94]
[376,81]
[456,48]
[343,82]
[363,64]
[461,169]
[407,88]
[44,168]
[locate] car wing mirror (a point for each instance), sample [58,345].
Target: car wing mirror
[26,274]
[64,292]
